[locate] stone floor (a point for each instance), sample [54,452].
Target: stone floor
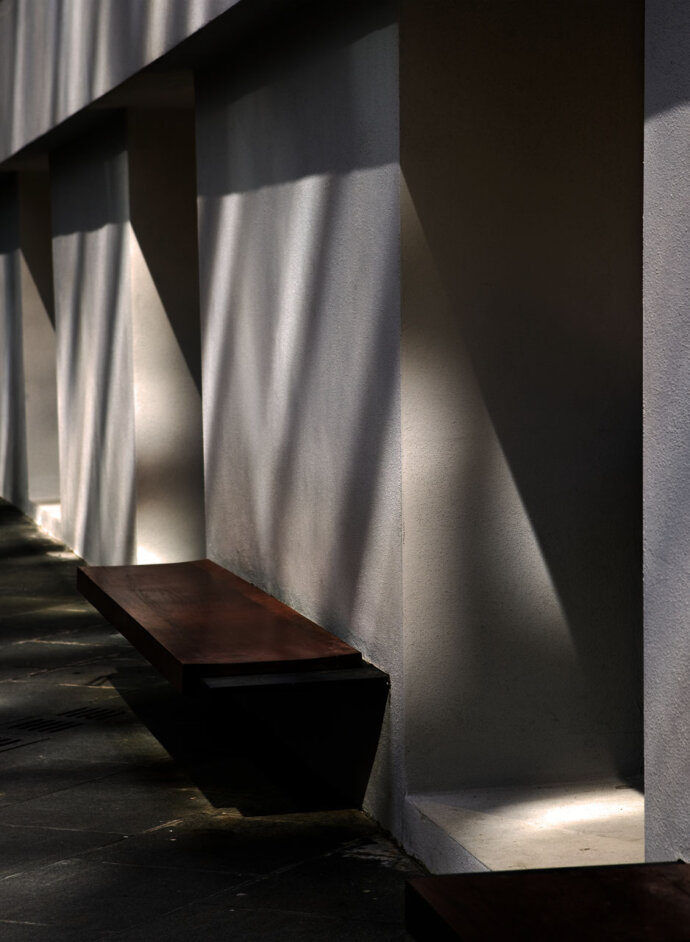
[129,813]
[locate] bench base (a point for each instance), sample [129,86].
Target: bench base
[248,655]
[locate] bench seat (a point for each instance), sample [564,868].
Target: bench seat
[632,902]
[196,622]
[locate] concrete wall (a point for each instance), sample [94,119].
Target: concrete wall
[521,158]
[128,348]
[13,485]
[91,257]
[500,430]
[667,429]
[298,220]
[39,342]
[169,474]
[82,49]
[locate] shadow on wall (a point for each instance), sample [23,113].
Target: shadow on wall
[298,185]
[36,239]
[303,91]
[86,48]
[166,335]
[91,265]
[163,211]
[521,148]
[13,471]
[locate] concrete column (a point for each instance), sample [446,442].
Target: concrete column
[124,219]
[38,325]
[91,258]
[12,428]
[169,474]
[667,428]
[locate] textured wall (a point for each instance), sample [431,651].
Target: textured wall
[126,281]
[38,330]
[667,429]
[91,259]
[521,156]
[13,485]
[298,219]
[81,49]
[165,335]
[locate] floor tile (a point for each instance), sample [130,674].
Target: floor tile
[129,812]
[23,849]
[225,841]
[14,931]
[208,922]
[126,802]
[101,898]
[365,880]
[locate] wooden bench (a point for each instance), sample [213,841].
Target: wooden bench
[252,660]
[201,625]
[631,902]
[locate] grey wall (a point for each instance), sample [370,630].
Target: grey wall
[128,349]
[169,475]
[81,49]
[39,342]
[91,257]
[521,157]
[298,217]
[667,429]
[13,484]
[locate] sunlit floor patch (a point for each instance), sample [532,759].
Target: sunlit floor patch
[558,826]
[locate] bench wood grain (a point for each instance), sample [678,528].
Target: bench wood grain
[196,620]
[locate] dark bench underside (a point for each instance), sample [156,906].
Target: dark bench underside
[201,625]
[631,902]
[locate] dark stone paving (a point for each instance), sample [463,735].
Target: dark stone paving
[105,833]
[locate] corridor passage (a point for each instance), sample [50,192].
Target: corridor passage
[128,812]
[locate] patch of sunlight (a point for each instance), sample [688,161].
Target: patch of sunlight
[146,556]
[559,826]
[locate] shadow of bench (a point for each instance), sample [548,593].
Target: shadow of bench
[212,634]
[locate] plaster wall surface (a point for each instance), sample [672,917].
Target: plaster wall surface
[87,48]
[169,476]
[521,442]
[12,428]
[39,343]
[297,151]
[667,429]
[91,258]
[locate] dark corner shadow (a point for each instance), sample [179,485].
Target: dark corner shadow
[9,230]
[162,193]
[36,235]
[277,751]
[85,167]
[536,232]
[299,38]
[14,472]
